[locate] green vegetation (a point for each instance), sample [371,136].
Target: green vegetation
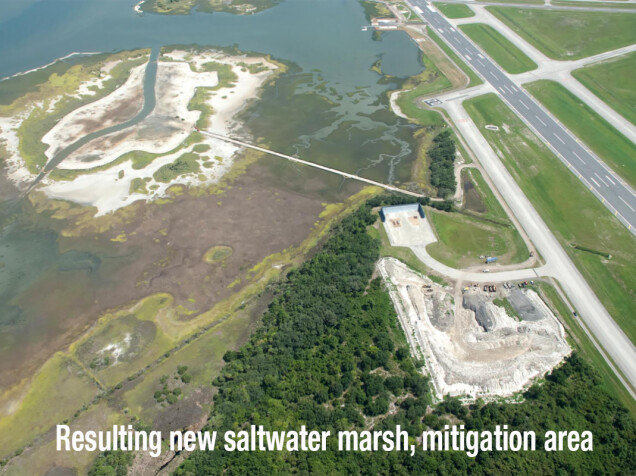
[603,4]
[60,376]
[504,303]
[112,463]
[374,9]
[217,254]
[330,356]
[430,81]
[474,80]
[172,7]
[237,7]
[599,135]
[188,163]
[64,87]
[463,239]
[500,49]
[226,74]
[184,7]
[479,198]
[172,386]
[455,10]
[253,68]
[569,209]
[613,82]
[569,35]
[442,164]
[138,185]
[581,343]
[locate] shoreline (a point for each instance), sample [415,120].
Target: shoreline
[70,55]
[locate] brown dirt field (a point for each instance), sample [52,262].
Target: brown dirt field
[163,253]
[472,199]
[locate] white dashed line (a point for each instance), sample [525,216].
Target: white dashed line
[577,156]
[610,180]
[539,119]
[524,104]
[628,205]
[468,57]
[562,141]
[480,55]
[592,179]
[601,179]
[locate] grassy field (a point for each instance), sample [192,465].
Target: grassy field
[463,239]
[571,35]
[455,10]
[604,4]
[474,80]
[430,81]
[478,197]
[188,163]
[35,413]
[613,82]
[599,135]
[571,211]
[507,55]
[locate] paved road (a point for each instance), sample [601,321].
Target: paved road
[579,7]
[599,322]
[619,198]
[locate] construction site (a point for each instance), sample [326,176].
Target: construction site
[471,344]
[477,339]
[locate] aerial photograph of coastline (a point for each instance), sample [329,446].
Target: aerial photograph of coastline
[321,237]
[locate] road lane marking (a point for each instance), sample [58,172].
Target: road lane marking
[555,135]
[480,55]
[508,89]
[592,179]
[599,177]
[577,156]
[544,124]
[524,104]
[468,57]
[610,180]
[628,205]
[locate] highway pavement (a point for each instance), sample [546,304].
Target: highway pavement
[613,192]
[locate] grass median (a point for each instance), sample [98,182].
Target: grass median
[570,210]
[455,10]
[569,35]
[613,82]
[598,134]
[507,55]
